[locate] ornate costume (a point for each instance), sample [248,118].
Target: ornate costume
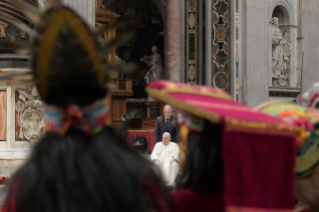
[81,164]
[307,158]
[310,98]
[233,158]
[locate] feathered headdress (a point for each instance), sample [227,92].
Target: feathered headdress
[69,64]
[68,61]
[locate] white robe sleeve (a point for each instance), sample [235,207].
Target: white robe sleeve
[155,151]
[176,151]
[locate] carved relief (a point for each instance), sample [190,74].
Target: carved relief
[2,29]
[191,73]
[14,34]
[220,58]
[221,44]
[30,115]
[220,8]
[220,80]
[281,50]
[221,33]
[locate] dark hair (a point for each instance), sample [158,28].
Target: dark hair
[124,115]
[294,101]
[203,169]
[76,173]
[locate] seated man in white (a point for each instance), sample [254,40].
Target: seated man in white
[165,155]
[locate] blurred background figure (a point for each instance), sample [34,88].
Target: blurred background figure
[124,126]
[165,155]
[80,164]
[166,123]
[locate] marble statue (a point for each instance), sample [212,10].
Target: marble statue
[280,54]
[154,61]
[31,117]
[119,61]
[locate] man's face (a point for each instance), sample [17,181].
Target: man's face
[168,112]
[166,139]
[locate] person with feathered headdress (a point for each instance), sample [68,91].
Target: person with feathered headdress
[80,164]
[306,120]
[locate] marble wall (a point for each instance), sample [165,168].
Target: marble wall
[85,8]
[303,26]
[255,49]
[308,36]
[3,115]
[220,48]
[12,152]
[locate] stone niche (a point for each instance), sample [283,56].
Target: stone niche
[283,54]
[281,47]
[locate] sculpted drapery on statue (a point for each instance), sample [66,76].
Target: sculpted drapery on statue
[280,54]
[155,62]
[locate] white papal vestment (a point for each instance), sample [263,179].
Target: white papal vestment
[165,153]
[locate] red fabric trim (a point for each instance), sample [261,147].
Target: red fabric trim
[187,200]
[245,209]
[259,170]
[11,200]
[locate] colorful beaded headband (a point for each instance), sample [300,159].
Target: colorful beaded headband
[301,121]
[91,118]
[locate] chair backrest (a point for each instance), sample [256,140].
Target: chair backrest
[140,143]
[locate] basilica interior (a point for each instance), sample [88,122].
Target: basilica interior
[226,44]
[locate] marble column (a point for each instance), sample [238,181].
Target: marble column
[85,8]
[172,41]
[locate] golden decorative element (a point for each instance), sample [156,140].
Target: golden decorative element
[191,21]
[259,127]
[220,106]
[99,4]
[22,32]
[221,33]
[191,72]
[2,30]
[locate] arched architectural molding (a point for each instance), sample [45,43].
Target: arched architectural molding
[119,6]
[161,4]
[288,9]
